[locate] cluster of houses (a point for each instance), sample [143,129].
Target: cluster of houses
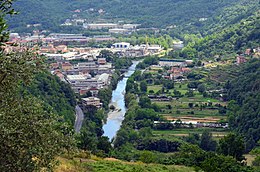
[85,77]
[195,124]
[55,39]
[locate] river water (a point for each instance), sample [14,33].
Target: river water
[116,117]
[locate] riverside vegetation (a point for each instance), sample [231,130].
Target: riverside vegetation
[36,109]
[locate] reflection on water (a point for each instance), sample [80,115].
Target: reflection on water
[116,117]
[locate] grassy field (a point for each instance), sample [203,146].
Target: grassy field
[114,165]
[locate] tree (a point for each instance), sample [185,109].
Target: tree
[104,144]
[191,105]
[201,88]
[145,102]
[232,145]
[207,143]
[190,93]
[108,55]
[143,86]
[32,136]
[5,9]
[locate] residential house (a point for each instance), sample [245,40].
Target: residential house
[102,61]
[93,101]
[66,66]
[241,59]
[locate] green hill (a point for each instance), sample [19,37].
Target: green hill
[188,13]
[233,39]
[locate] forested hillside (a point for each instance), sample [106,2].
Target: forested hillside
[245,107]
[56,94]
[229,40]
[185,14]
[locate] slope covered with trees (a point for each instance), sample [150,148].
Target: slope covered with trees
[31,135]
[154,13]
[230,40]
[56,94]
[244,91]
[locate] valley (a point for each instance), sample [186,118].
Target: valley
[130,85]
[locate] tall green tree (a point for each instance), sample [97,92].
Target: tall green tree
[232,145]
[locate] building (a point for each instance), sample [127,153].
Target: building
[153,49]
[102,61]
[86,67]
[59,74]
[99,26]
[131,26]
[54,66]
[66,66]
[104,79]
[119,31]
[177,72]
[62,49]
[92,101]
[121,45]
[172,62]
[241,59]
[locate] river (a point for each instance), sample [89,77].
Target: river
[116,117]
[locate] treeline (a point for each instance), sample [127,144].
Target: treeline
[244,106]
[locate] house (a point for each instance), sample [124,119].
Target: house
[102,61]
[62,49]
[178,72]
[66,66]
[248,51]
[241,59]
[54,66]
[48,49]
[93,101]
[86,67]
[94,91]
[104,79]
[130,26]
[152,49]
[59,74]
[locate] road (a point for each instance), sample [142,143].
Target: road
[79,119]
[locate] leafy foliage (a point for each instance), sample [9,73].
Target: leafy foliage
[244,110]
[26,123]
[56,94]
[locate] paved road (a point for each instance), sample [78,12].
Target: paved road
[79,119]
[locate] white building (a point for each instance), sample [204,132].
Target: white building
[98,26]
[119,31]
[121,45]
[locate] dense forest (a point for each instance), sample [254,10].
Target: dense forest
[56,94]
[244,96]
[189,14]
[230,40]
